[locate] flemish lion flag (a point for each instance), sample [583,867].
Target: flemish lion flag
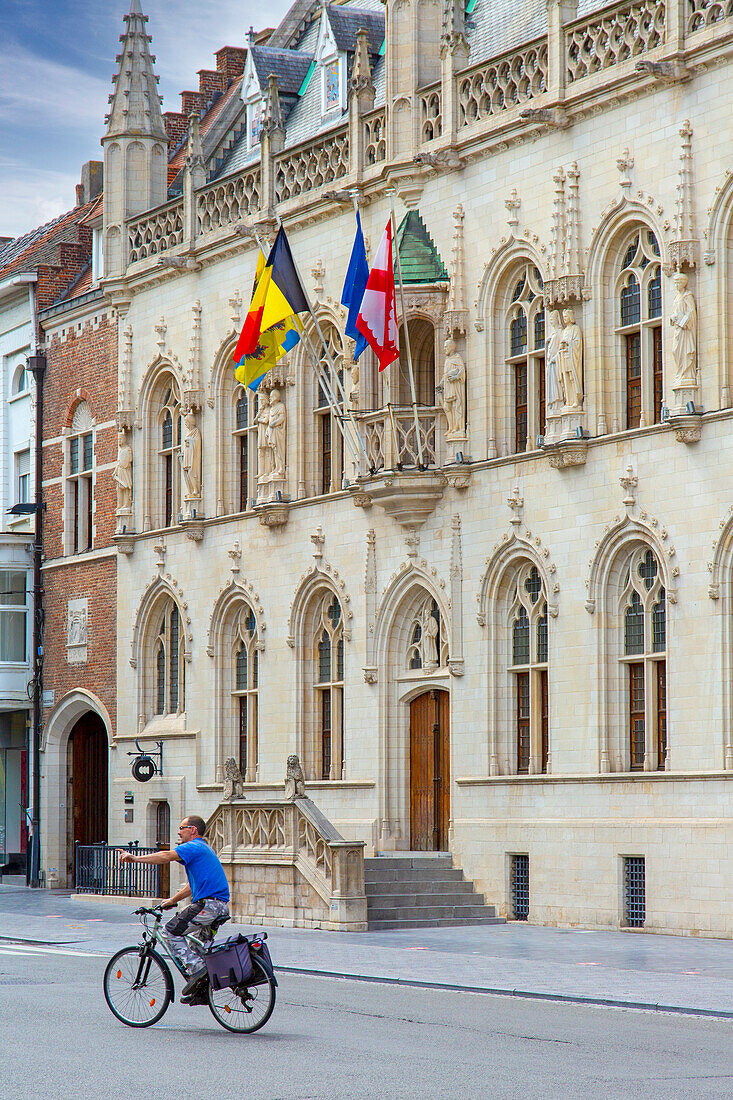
[277,295]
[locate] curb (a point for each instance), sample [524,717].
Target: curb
[38,943]
[568,998]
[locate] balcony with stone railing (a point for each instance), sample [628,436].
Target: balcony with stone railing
[287,865]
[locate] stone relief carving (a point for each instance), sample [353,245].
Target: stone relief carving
[76,630]
[683,320]
[233,781]
[453,393]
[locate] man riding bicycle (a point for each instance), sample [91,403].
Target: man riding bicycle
[209,892]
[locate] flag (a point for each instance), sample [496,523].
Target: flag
[377,319]
[277,295]
[354,286]
[272,345]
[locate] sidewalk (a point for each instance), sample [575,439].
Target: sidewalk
[670,973]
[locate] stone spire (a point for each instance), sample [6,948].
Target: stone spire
[361,76]
[135,103]
[683,247]
[272,119]
[453,32]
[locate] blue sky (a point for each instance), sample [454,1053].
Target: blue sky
[57,58]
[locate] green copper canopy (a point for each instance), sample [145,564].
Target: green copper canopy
[420,260]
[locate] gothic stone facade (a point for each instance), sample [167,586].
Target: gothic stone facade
[562,568]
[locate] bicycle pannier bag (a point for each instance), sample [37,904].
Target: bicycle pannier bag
[229,964]
[261,952]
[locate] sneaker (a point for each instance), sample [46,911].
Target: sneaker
[200,996]
[193,981]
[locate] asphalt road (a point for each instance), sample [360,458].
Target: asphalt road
[331,1038]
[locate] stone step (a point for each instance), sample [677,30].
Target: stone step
[409,859]
[443,922]
[428,912]
[413,901]
[412,874]
[421,886]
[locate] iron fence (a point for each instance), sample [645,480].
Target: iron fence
[98,871]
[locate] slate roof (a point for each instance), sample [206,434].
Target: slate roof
[496,26]
[345,22]
[289,66]
[419,258]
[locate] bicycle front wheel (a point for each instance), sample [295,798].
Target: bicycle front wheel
[245,1008]
[138,986]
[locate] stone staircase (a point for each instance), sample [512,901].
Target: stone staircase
[421,890]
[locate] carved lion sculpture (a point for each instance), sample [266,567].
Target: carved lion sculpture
[233,780]
[294,779]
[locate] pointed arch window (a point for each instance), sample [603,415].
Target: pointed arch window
[329,442]
[245,689]
[644,625]
[246,407]
[168,657]
[639,325]
[169,455]
[428,645]
[528,670]
[328,687]
[526,358]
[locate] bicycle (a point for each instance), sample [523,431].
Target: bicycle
[138,984]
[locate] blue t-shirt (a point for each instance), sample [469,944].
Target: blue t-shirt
[205,873]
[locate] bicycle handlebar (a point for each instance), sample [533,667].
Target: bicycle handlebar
[156,911]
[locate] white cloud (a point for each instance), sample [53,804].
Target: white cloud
[39,94]
[32,196]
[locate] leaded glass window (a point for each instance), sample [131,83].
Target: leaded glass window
[643,606]
[639,318]
[526,365]
[528,669]
[245,654]
[328,687]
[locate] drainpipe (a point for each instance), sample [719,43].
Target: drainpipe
[37,364]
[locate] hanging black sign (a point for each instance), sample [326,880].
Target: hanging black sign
[143,769]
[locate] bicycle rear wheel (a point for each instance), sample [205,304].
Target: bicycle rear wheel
[138,986]
[245,1008]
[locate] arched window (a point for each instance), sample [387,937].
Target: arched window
[328,687]
[527,668]
[79,527]
[329,442]
[246,405]
[526,358]
[245,664]
[643,659]
[428,644]
[169,665]
[422,348]
[20,380]
[639,326]
[169,452]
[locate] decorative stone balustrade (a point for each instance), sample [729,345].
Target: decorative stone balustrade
[288,865]
[611,36]
[390,437]
[375,143]
[229,200]
[155,232]
[312,165]
[704,13]
[501,83]
[431,113]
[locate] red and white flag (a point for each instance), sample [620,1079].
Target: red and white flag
[377,320]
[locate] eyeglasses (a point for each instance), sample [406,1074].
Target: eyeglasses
[186,827]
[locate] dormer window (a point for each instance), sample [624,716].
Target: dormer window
[331,85]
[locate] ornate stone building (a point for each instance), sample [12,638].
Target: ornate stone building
[510,635]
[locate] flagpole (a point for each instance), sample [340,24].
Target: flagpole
[331,363]
[319,372]
[405,329]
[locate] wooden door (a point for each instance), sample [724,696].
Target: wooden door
[89,780]
[429,772]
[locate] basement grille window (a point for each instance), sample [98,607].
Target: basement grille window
[634,891]
[520,887]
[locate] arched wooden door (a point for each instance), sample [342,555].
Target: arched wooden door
[429,772]
[88,779]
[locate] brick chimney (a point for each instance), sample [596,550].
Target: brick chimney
[92,175]
[230,61]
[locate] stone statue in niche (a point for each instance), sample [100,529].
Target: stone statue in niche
[553,383]
[453,395]
[354,385]
[264,453]
[294,779]
[123,476]
[191,457]
[570,361]
[276,435]
[683,320]
[429,638]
